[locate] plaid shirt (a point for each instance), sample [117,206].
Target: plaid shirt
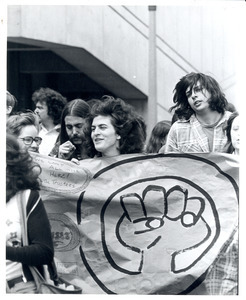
[188,136]
[222,277]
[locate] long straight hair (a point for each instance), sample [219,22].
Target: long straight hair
[158,136]
[76,108]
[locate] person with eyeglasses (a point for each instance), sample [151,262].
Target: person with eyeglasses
[22,180]
[24,126]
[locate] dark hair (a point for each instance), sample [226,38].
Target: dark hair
[21,172]
[231,107]
[11,101]
[217,101]
[174,118]
[93,102]
[229,147]
[127,123]
[15,123]
[158,134]
[55,102]
[76,108]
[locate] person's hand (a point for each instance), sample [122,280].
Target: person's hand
[66,150]
[75,161]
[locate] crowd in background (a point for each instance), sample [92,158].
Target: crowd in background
[67,130]
[202,121]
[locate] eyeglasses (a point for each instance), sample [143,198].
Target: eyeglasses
[28,140]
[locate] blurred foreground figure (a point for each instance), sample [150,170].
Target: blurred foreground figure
[22,185]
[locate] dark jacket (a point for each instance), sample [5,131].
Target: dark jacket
[40,250]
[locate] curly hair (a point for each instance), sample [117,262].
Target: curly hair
[158,135]
[11,101]
[217,102]
[21,172]
[75,108]
[15,123]
[54,101]
[229,147]
[128,124]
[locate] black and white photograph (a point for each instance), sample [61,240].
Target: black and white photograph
[122,150]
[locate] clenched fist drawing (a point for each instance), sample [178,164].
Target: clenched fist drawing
[156,224]
[175,210]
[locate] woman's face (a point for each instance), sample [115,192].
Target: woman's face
[104,136]
[235,134]
[27,132]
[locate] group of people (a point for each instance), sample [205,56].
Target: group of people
[70,130]
[75,130]
[78,129]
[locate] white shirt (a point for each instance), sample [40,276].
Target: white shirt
[48,139]
[13,237]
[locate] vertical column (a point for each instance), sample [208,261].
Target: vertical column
[152,100]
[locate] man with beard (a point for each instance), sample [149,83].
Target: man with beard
[72,136]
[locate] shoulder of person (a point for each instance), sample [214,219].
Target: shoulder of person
[58,128]
[54,150]
[181,122]
[227,114]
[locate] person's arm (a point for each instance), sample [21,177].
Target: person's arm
[55,150]
[171,143]
[40,250]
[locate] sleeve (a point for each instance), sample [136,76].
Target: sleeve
[55,150]
[40,250]
[171,144]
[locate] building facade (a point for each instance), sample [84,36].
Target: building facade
[89,51]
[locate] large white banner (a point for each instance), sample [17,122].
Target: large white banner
[140,224]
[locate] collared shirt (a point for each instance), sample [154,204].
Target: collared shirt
[189,136]
[49,139]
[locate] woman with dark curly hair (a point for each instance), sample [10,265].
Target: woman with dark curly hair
[200,106]
[22,185]
[115,129]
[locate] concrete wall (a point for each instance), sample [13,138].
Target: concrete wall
[202,39]
[189,38]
